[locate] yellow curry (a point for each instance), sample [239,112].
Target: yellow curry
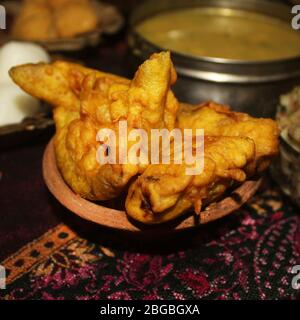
[222,33]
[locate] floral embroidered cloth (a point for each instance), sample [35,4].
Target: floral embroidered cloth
[49,253]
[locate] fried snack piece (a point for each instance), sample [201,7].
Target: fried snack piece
[35,22]
[51,19]
[85,101]
[164,192]
[59,83]
[219,120]
[74,18]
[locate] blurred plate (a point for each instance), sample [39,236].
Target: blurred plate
[111,22]
[32,129]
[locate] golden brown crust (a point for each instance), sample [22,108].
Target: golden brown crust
[52,19]
[163,192]
[219,120]
[85,100]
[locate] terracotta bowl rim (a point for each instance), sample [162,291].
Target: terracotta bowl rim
[117,219]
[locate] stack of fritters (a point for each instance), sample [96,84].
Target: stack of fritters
[236,146]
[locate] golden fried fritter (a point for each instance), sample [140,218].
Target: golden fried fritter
[59,83]
[51,19]
[219,120]
[34,22]
[74,18]
[164,192]
[86,101]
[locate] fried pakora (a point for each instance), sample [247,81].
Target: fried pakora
[164,192]
[81,12]
[219,120]
[85,101]
[34,22]
[236,145]
[52,19]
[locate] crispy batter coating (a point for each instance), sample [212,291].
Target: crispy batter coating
[237,145]
[34,22]
[85,101]
[59,83]
[75,18]
[219,120]
[52,19]
[164,192]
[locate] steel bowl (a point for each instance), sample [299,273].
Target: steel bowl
[248,86]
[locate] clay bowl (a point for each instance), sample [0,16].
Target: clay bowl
[118,219]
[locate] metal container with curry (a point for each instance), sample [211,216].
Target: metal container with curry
[242,53]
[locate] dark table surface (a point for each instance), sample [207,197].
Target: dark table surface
[49,253]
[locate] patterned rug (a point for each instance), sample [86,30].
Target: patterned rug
[246,256]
